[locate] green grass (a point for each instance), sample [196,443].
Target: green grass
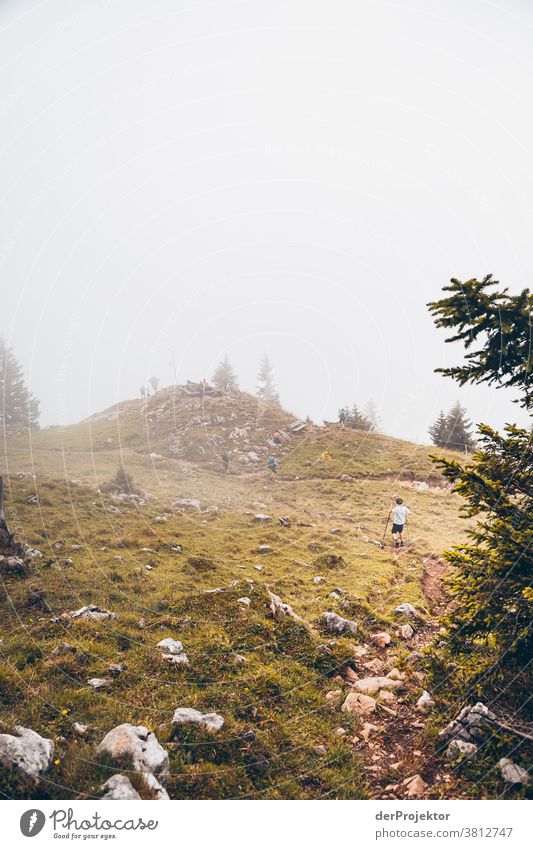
[274,705]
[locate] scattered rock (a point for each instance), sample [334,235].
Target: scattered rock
[91,611]
[376,666]
[512,773]
[405,631]
[186,504]
[100,683]
[359,703]
[472,725]
[336,624]
[245,600]
[459,750]
[367,730]
[26,752]
[415,786]
[262,517]
[156,788]
[210,721]
[170,645]
[333,699]
[372,685]
[425,702]
[137,743]
[381,639]
[116,668]
[279,607]
[79,729]
[335,531]
[119,787]
[318,579]
[264,549]
[406,609]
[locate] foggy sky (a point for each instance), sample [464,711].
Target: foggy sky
[296,177]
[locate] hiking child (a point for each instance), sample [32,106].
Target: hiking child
[225,461]
[272,464]
[276,438]
[400,512]
[326,456]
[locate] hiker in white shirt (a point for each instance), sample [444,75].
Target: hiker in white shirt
[399,517]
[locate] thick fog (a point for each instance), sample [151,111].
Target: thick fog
[291,176]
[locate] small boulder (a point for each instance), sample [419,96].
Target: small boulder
[373,685]
[170,645]
[318,579]
[210,721]
[119,787]
[91,611]
[279,608]
[100,683]
[359,704]
[376,666]
[26,752]
[137,743]
[262,517]
[245,601]
[405,631]
[459,750]
[512,773]
[406,609]
[336,624]
[381,639]
[415,786]
[425,702]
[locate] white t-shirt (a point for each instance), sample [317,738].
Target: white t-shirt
[400,514]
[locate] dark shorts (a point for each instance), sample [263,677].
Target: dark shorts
[397,529]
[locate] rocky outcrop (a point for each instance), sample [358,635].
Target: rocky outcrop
[119,787]
[472,725]
[280,608]
[91,611]
[135,742]
[26,752]
[336,624]
[209,721]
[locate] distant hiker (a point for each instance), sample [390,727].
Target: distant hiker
[326,456]
[204,386]
[399,517]
[225,461]
[272,464]
[276,438]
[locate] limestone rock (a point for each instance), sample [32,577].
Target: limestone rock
[186,504]
[170,646]
[406,609]
[100,683]
[359,703]
[381,639]
[425,702]
[262,517]
[512,773]
[119,787]
[472,725]
[415,786]
[26,752]
[209,721]
[458,751]
[279,607]
[405,631]
[336,624]
[376,666]
[143,747]
[91,611]
[245,600]
[373,685]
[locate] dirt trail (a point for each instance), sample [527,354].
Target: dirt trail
[396,747]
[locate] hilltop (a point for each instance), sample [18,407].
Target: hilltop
[202,558]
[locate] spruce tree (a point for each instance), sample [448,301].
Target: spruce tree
[122,481]
[18,407]
[224,377]
[266,389]
[439,430]
[459,429]
[489,626]
[353,418]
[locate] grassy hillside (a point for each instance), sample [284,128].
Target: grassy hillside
[169,571]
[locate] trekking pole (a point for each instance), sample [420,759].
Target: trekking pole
[406,531]
[386,526]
